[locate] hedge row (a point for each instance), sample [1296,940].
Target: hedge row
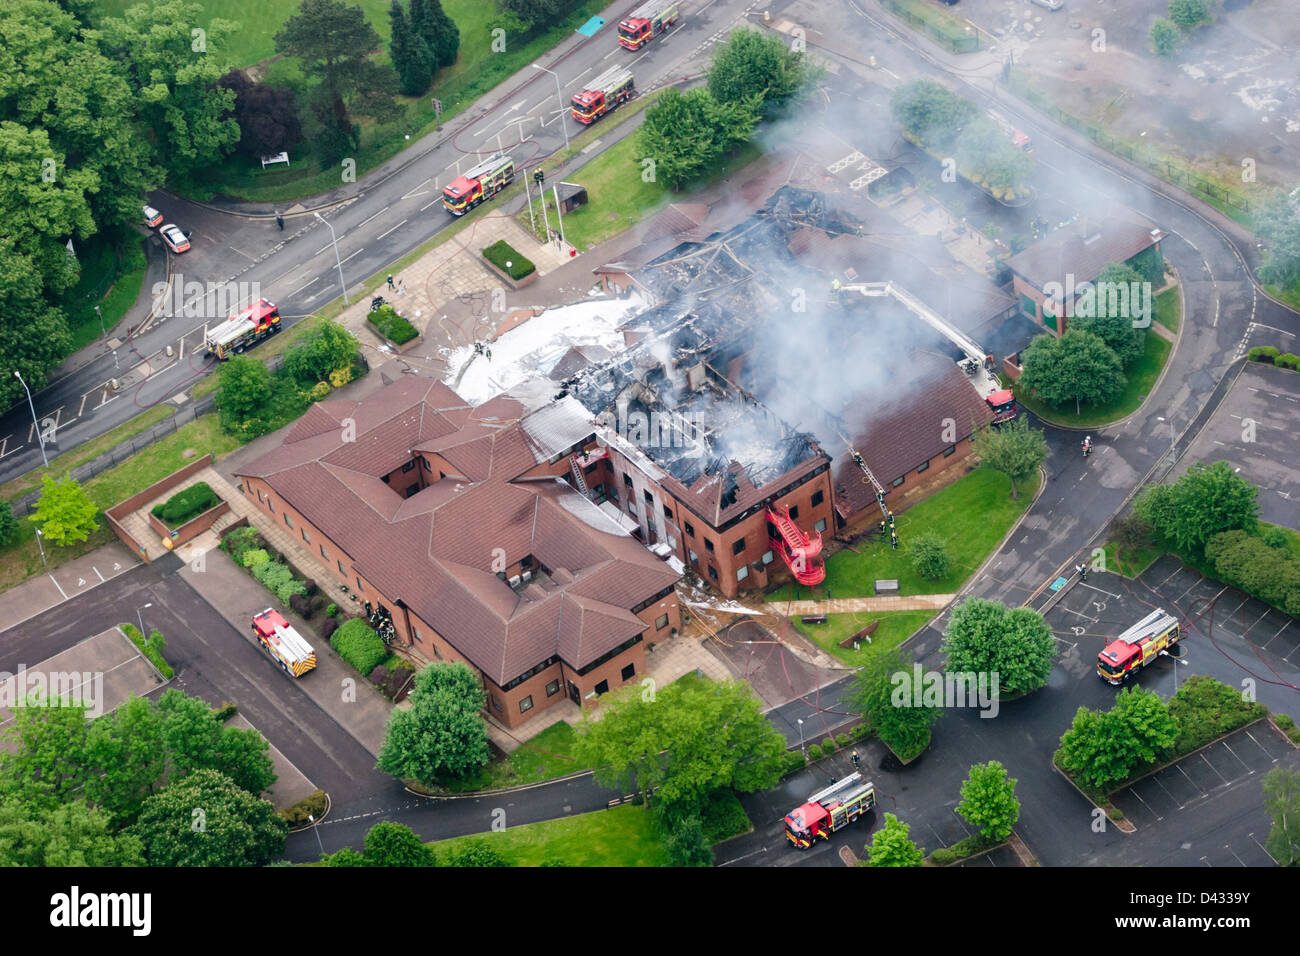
[1247,562]
[391,325]
[186,504]
[357,644]
[313,805]
[1267,353]
[501,252]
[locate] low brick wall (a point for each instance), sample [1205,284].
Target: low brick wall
[513,283]
[190,529]
[127,505]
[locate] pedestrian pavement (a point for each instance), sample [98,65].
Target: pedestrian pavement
[919,602]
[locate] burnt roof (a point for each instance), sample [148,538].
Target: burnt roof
[434,551]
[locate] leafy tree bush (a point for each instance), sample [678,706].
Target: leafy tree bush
[1164,37]
[1262,353]
[1282,800]
[1189,13]
[751,63]
[1078,367]
[72,834]
[1206,709]
[904,726]
[244,397]
[685,843]
[1203,502]
[942,857]
[64,512]
[359,645]
[1246,562]
[1130,533]
[394,844]
[410,54]
[930,112]
[814,753]
[442,734]
[988,801]
[1014,449]
[929,556]
[254,557]
[687,134]
[9,527]
[828,746]
[267,115]
[1102,749]
[987,637]
[326,348]
[475,853]
[892,846]
[237,828]
[186,504]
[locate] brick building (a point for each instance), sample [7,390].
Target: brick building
[461,523]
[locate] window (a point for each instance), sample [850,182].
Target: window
[649,498]
[742,572]
[552,688]
[922,467]
[342,570]
[820,525]
[713,572]
[360,587]
[415,632]
[323,554]
[738,546]
[949,450]
[270,504]
[767,557]
[631,505]
[437,653]
[628,672]
[695,558]
[496,704]
[602,687]
[794,512]
[627,479]
[303,532]
[818,497]
[259,494]
[526,704]
[661,622]
[287,520]
[668,513]
[412,489]
[690,530]
[408,466]
[708,545]
[897,481]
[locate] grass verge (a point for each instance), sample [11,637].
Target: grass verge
[1132,565]
[548,755]
[620,836]
[895,627]
[1142,376]
[971,516]
[1167,311]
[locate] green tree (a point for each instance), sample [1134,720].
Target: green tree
[1077,367]
[1206,500]
[126,745]
[9,527]
[175,79]
[327,348]
[753,64]
[394,844]
[1118,330]
[205,819]
[440,34]
[902,724]
[1164,37]
[1130,533]
[987,156]
[1014,449]
[442,734]
[685,843]
[683,743]
[1189,13]
[929,556]
[244,756]
[190,732]
[985,637]
[245,393]
[64,512]
[686,134]
[1103,749]
[49,761]
[475,853]
[988,801]
[71,834]
[410,54]
[34,334]
[344,857]
[1282,800]
[892,846]
[333,42]
[930,112]
[1276,219]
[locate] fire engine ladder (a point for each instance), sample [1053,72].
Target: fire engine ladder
[578,478]
[880,489]
[973,350]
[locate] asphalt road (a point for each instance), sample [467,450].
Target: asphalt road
[377,220]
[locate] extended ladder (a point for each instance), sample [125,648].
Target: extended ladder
[886,516]
[578,478]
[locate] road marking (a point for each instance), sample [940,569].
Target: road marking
[414,192]
[434,203]
[583,73]
[82,407]
[611,53]
[354,255]
[106,399]
[96,570]
[60,587]
[398,226]
[376,215]
[301,287]
[244,254]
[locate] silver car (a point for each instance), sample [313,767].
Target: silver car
[1049,4]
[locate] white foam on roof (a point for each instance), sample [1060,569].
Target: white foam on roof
[533,349]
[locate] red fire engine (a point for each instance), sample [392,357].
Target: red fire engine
[646,22]
[801,552]
[829,810]
[611,89]
[1137,647]
[1003,405]
[285,645]
[478,184]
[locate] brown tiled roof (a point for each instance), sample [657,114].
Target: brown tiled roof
[434,551]
[1083,249]
[895,437]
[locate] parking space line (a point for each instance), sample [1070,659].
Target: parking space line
[1194,784]
[96,570]
[1099,590]
[1249,768]
[1213,767]
[1155,778]
[1158,816]
[4,445]
[1228,847]
[1264,646]
[59,586]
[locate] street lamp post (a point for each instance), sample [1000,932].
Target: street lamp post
[39,535]
[139,616]
[32,406]
[316,830]
[102,331]
[559,97]
[801,748]
[337,260]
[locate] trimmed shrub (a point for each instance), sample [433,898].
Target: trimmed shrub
[860,731]
[1262,353]
[328,627]
[319,391]
[341,376]
[186,504]
[1288,727]
[254,556]
[828,746]
[300,605]
[225,712]
[723,816]
[296,815]
[501,252]
[1288,360]
[357,644]
[842,740]
[1116,814]
[332,610]
[391,325]
[814,753]
[942,857]
[311,586]
[289,590]
[379,675]
[271,574]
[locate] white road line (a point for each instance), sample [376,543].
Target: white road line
[413,191]
[611,53]
[59,586]
[375,216]
[301,287]
[434,203]
[357,253]
[398,226]
[244,254]
[96,570]
[82,407]
[583,73]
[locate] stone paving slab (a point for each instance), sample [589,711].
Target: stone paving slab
[919,602]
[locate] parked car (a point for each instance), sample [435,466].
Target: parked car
[1049,4]
[152,217]
[176,240]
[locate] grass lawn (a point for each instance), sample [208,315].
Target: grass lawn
[549,754]
[22,559]
[113,268]
[971,516]
[620,836]
[945,23]
[895,627]
[1131,565]
[1141,379]
[159,460]
[1290,296]
[1167,312]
